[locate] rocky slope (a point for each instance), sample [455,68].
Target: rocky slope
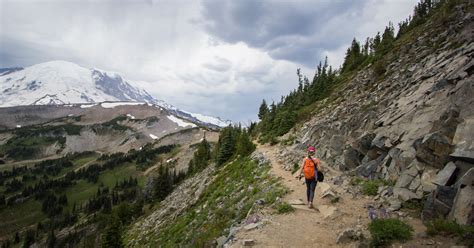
[413,125]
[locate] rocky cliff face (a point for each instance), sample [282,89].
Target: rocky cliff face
[413,125]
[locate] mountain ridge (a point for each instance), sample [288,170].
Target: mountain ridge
[61,82]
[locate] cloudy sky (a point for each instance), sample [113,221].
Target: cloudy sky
[216,57]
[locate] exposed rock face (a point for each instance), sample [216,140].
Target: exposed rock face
[463,205]
[414,127]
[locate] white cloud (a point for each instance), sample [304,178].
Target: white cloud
[168,44]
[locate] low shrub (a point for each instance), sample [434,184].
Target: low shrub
[356,181]
[385,231]
[442,226]
[295,168]
[273,141]
[447,227]
[284,208]
[369,187]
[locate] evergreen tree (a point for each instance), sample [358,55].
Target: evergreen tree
[51,240]
[244,145]
[200,158]
[263,110]
[16,240]
[225,145]
[112,237]
[353,57]
[163,183]
[29,238]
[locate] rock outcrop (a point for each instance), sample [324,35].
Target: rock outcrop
[413,125]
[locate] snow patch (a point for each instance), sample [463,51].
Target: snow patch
[115,104]
[210,119]
[153,136]
[180,122]
[88,105]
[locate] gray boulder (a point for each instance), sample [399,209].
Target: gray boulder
[260,158]
[405,194]
[382,142]
[369,169]
[463,206]
[433,149]
[446,176]
[349,235]
[337,144]
[427,179]
[352,159]
[404,181]
[364,143]
[439,203]
[395,204]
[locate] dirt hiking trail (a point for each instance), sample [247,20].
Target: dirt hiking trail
[317,227]
[320,226]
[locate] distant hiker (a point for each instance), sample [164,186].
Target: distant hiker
[310,169]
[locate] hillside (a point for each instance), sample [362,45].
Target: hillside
[393,129]
[396,143]
[62,165]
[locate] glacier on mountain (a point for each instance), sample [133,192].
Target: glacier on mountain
[62,83]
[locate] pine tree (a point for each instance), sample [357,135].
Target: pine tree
[163,184]
[244,145]
[29,238]
[113,237]
[16,240]
[51,240]
[200,158]
[263,110]
[226,145]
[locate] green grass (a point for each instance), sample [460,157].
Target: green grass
[85,159]
[78,162]
[80,193]
[228,199]
[356,181]
[5,167]
[451,228]
[120,173]
[83,190]
[26,214]
[28,147]
[295,168]
[284,208]
[369,187]
[386,231]
[414,206]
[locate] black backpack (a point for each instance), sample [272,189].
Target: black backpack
[320,176]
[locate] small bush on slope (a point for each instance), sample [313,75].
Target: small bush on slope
[284,208]
[446,227]
[384,231]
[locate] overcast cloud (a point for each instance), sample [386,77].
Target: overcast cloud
[216,57]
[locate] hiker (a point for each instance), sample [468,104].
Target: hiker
[310,169]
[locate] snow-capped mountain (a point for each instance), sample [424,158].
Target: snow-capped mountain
[62,82]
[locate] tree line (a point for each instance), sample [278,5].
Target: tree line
[277,119]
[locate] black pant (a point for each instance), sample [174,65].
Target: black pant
[310,188]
